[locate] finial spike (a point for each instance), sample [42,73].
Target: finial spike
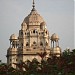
[33,2]
[33,5]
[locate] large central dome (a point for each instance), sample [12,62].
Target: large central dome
[33,17]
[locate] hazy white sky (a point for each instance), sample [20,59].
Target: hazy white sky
[58,14]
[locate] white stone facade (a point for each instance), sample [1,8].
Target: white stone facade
[33,38]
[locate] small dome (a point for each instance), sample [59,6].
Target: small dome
[23,24]
[13,36]
[54,37]
[43,23]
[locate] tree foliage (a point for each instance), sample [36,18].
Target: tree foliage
[63,65]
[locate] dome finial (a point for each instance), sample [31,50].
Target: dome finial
[33,6]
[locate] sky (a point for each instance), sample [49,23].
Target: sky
[58,15]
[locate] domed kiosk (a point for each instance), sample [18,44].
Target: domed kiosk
[55,49]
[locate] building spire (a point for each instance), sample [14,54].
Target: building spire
[33,6]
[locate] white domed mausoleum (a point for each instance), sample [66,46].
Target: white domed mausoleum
[33,38]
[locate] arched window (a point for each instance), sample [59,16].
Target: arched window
[41,44]
[46,44]
[34,42]
[46,32]
[25,33]
[34,48]
[34,31]
[27,44]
